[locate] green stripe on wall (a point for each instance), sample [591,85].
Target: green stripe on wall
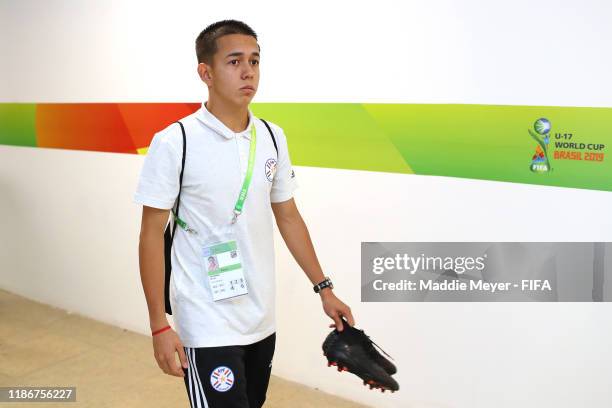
[17,124]
[489,142]
[334,135]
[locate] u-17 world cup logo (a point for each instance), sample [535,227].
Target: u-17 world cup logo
[541,134]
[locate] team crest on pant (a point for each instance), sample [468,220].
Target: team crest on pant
[270,169]
[222,378]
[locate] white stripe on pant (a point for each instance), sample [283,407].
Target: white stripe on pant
[194,377]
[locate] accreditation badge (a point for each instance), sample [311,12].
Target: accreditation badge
[224,270]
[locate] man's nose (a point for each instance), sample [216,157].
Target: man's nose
[249,71]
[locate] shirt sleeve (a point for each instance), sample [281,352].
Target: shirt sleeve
[158,185]
[284,182]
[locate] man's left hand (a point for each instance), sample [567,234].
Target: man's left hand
[335,309]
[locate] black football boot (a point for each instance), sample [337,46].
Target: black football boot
[387,365]
[351,350]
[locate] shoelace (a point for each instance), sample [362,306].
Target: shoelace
[370,342]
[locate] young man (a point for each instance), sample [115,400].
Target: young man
[224,316]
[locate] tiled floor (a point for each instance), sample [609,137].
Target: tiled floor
[111,367]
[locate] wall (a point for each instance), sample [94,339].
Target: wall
[69,235]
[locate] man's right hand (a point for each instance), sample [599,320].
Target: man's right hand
[164,346]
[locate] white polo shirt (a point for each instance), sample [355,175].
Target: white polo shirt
[215,168]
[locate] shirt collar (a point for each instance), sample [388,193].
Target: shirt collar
[215,124]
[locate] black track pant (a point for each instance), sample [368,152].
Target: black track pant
[229,376]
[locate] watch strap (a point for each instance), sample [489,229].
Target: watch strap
[327,283]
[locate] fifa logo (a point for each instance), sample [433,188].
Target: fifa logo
[541,134]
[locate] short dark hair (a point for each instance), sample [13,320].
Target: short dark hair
[206,43]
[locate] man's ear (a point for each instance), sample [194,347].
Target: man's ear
[204,73]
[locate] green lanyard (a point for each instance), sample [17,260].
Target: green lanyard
[247,178]
[245,185]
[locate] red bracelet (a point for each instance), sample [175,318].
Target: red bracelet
[161,330]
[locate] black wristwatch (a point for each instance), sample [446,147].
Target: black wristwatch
[327,283]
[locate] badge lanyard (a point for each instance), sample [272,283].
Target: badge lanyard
[247,178]
[243,191]
[221,257]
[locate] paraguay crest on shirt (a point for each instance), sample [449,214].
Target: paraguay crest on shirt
[270,169]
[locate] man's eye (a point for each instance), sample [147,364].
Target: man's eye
[255,62]
[232,62]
